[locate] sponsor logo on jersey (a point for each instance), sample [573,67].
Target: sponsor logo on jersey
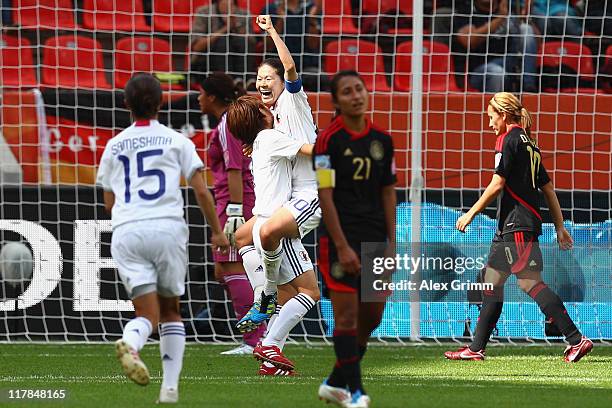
[377,151]
[348,152]
[533,263]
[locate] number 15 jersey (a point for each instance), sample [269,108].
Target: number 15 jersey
[519,161]
[142,166]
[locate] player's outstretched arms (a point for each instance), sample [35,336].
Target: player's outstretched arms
[207,206]
[564,238]
[493,189]
[265,23]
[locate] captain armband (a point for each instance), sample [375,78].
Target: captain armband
[326,176]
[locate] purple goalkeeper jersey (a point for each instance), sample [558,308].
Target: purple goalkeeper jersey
[225,153]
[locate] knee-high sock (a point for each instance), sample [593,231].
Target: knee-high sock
[242,298]
[492,305]
[271,265]
[290,314]
[254,269]
[553,308]
[347,361]
[136,332]
[171,350]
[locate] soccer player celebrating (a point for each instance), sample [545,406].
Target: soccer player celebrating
[234,196]
[273,155]
[356,173]
[140,172]
[519,174]
[281,91]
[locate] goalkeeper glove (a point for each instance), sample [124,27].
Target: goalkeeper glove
[234,221]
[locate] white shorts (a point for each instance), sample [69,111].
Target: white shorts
[306,211]
[295,260]
[152,253]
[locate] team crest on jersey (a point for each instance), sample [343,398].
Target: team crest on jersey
[377,151]
[322,161]
[304,256]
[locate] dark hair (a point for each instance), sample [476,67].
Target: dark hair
[223,87]
[143,95]
[245,118]
[276,64]
[336,80]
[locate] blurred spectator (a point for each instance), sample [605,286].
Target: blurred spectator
[299,22]
[598,17]
[553,17]
[7,18]
[501,48]
[222,42]
[441,25]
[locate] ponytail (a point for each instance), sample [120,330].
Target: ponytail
[526,122]
[505,102]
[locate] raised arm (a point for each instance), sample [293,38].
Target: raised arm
[265,23]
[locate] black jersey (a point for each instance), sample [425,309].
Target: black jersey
[363,165]
[518,160]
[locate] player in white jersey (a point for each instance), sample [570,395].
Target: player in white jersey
[301,214]
[273,157]
[140,172]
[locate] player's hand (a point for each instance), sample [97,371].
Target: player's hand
[349,261]
[247,150]
[234,221]
[464,221]
[265,23]
[564,239]
[219,242]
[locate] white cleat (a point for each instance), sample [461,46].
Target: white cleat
[243,349]
[358,400]
[133,367]
[168,396]
[335,395]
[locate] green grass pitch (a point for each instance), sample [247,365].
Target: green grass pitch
[393,376]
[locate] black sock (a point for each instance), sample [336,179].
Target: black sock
[492,304]
[553,308]
[347,361]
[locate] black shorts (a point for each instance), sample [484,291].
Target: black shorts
[516,251]
[333,276]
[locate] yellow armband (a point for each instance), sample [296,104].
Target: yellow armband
[326,178]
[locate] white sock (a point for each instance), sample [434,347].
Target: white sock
[136,332]
[291,313]
[272,319]
[171,349]
[271,265]
[252,265]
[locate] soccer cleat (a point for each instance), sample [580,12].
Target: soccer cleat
[358,400]
[335,395]
[267,369]
[168,396]
[573,354]
[133,367]
[464,353]
[258,313]
[273,355]
[241,350]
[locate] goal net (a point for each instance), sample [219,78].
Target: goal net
[64,64]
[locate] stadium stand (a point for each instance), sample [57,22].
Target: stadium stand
[16,62]
[44,14]
[113,15]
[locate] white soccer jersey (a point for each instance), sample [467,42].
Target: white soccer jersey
[293,116]
[272,154]
[142,166]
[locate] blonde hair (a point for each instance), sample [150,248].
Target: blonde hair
[505,102]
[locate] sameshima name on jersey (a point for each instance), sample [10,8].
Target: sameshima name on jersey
[140,142]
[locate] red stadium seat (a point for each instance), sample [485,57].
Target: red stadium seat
[337,17]
[557,55]
[114,15]
[402,9]
[142,54]
[253,6]
[46,14]
[16,63]
[438,67]
[363,56]
[175,16]
[73,61]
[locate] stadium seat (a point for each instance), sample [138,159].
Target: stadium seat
[45,14]
[142,54]
[16,63]
[253,6]
[114,15]
[557,58]
[73,61]
[363,56]
[175,16]
[400,11]
[337,17]
[438,67]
